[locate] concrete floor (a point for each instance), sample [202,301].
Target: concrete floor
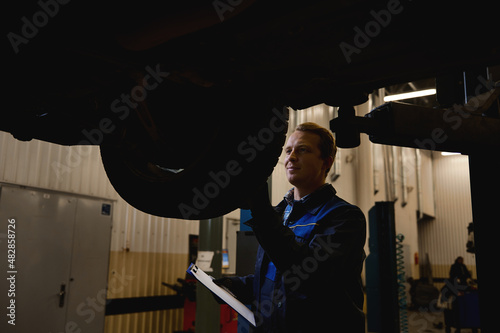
[429,322]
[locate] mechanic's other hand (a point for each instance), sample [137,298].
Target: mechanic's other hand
[259,201]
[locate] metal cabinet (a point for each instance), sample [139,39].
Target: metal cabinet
[54,252]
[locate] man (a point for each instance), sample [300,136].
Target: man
[455,286]
[308,267]
[459,274]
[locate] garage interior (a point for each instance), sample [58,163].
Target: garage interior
[117,118]
[147,255]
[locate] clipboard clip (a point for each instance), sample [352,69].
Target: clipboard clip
[192,269]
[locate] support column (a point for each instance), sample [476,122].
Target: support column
[381,270]
[207,309]
[484,169]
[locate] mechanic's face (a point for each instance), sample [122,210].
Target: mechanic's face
[305,169]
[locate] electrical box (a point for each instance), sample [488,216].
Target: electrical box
[54,248]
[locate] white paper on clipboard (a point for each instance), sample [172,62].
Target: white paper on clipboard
[208,282]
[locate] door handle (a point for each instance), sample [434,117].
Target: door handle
[62,293]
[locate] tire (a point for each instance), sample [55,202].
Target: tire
[238,155]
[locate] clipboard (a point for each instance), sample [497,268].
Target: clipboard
[208,282]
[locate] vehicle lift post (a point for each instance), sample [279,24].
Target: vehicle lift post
[484,173]
[207,308]
[381,270]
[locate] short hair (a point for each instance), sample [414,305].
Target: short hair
[327,145]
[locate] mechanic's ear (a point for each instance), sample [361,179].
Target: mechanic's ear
[328,162]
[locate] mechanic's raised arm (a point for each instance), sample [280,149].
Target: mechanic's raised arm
[343,230]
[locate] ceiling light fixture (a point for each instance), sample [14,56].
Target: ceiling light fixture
[413,94]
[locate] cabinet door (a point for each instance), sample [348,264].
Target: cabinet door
[44,225]
[89,265]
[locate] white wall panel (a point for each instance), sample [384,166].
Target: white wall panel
[75,169]
[445,237]
[136,231]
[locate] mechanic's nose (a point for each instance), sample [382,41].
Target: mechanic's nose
[291,156]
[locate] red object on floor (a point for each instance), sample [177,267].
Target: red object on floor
[228,317]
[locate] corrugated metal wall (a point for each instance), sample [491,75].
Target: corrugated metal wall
[444,238]
[145,250]
[40,164]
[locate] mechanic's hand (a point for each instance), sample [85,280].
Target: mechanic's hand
[224,283]
[259,201]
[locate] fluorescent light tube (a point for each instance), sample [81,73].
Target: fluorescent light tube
[412,94]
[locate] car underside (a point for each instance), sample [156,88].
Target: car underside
[163,87]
